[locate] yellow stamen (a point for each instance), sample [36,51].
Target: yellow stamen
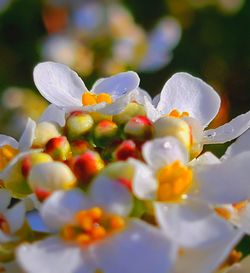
[89,98]
[91,225]
[240,206]
[176,114]
[224,213]
[104,97]
[174,181]
[6,154]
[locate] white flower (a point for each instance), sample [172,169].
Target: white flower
[133,247]
[197,103]
[11,220]
[64,88]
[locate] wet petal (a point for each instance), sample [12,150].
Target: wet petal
[164,151]
[60,207]
[28,135]
[59,84]
[189,94]
[111,195]
[191,224]
[228,131]
[144,183]
[117,85]
[138,248]
[52,255]
[53,114]
[224,183]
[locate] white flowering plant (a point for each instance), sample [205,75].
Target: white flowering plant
[109,180]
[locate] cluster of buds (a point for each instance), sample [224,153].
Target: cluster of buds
[118,182]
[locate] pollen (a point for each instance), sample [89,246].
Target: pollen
[6,154]
[91,225]
[176,114]
[89,98]
[174,181]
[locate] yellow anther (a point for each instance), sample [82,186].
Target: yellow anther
[88,99]
[95,213]
[233,258]
[98,232]
[224,213]
[117,222]
[241,205]
[6,154]
[68,233]
[176,114]
[83,239]
[104,97]
[174,181]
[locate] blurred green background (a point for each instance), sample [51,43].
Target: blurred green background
[214,45]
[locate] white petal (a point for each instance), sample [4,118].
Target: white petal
[60,207]
[111,195]
[189,94]
[117,85]
[139,248]
[7,140]
[53,114]
[196,129]
[228,131]
[191,224]
[226,182]
[207,259]
[156,99]
[5,238]
[243,219]
[144,184]
[15,216]
[151,111]
[59,84]
[139,95]
[53,255]
[5,199]
[36,222]
[164,151]
[28,135]
[205,159]
[241,145]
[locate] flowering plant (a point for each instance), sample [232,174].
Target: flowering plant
[110,180]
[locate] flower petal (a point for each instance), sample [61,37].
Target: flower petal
[117,85]
[144,183]
[228,131]
[59,84]
[7,140]
[189,94]
[28,135]
[138,248]
[111,195]
[151,111]
[53,114]
[60,207]
[52,255]
[164,151]
[224,183]
[36,222]
[5,199]
[191,224]
[205,159]
[15,216]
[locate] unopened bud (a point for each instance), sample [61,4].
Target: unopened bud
[79,147]
[126,150]
[78,124]
[139,127]
[58,148]
[44,132]
[133,109]
[88,165]
[105,132]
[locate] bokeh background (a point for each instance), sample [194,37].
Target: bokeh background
[207,38]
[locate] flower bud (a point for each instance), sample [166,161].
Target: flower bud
[45,178]
[133,109]
[170,126]
[104,132]
[139,127]
[79,147]
[78,124]
[88,165]
[126,150]
[58,148]
[44,132]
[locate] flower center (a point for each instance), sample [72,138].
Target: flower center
[6,154]
[91,225]
[176,114]
[174,181]
[4,226]
[89,98]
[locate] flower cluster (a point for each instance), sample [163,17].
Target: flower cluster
[109,180]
